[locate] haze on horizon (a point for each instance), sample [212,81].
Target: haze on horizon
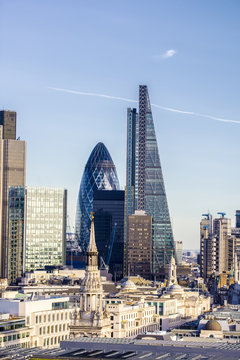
[186,52]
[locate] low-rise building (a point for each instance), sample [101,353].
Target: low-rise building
[130,319]
[44,320]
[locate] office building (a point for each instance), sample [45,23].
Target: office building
[225,248]
[15,234]
[99,174]
[108,210]
[39,321]
[216,246]
[131,175]
[41,212]
[8,121]
[236,234]
[45,227]
[139,255]
[12,173]
[144,174]
[178,251]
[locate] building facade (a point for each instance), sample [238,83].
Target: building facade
[139,255]
[178,251]
[45,227]
[15,234]
[145,181]
[8,119]
[45,321]
[108,209]
[217,246]
[37,229]
[12,173]
[99,174]
[131,175]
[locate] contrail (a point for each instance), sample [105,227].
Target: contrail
[206,116]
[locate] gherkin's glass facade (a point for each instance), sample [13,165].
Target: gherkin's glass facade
[99,174]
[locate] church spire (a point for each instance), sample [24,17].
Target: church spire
[92,253]
[92,248]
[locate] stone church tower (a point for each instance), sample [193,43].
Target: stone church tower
[90,319]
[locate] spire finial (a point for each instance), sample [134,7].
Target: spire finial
[92,244]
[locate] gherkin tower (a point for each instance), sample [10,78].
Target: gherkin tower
[99,174]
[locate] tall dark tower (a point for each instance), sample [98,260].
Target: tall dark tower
[149,190]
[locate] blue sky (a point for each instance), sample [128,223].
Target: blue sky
[188,54]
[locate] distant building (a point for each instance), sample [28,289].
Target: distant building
[178,251]
[139,254]
[12,173]
[108,210]
[216,246]
[37,229]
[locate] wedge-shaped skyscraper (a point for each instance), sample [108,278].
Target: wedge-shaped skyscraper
[99,174]
[145,186]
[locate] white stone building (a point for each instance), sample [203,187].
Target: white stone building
[47,318]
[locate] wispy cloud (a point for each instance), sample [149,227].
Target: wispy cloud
[167,54]
[191,113]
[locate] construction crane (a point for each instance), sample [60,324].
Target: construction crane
[222,213]
[110,245]
[206,215]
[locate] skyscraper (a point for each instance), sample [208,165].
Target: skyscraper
[37,229]
[149,190]
[108,209]
[15,234]
[216,246]
[12,173]
[99,174]
[140,244]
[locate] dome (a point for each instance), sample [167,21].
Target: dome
[213,325]
[99,174]
[129,285]
[175,288]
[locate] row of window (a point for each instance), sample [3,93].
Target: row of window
[51,329]
[51,317]
[14,337]
[54,340]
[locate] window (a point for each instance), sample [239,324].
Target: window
[36,319]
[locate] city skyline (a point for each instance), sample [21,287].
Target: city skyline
[189,68]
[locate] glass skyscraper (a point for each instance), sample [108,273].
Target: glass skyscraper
[99,174]
[145,185]
[37,229]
